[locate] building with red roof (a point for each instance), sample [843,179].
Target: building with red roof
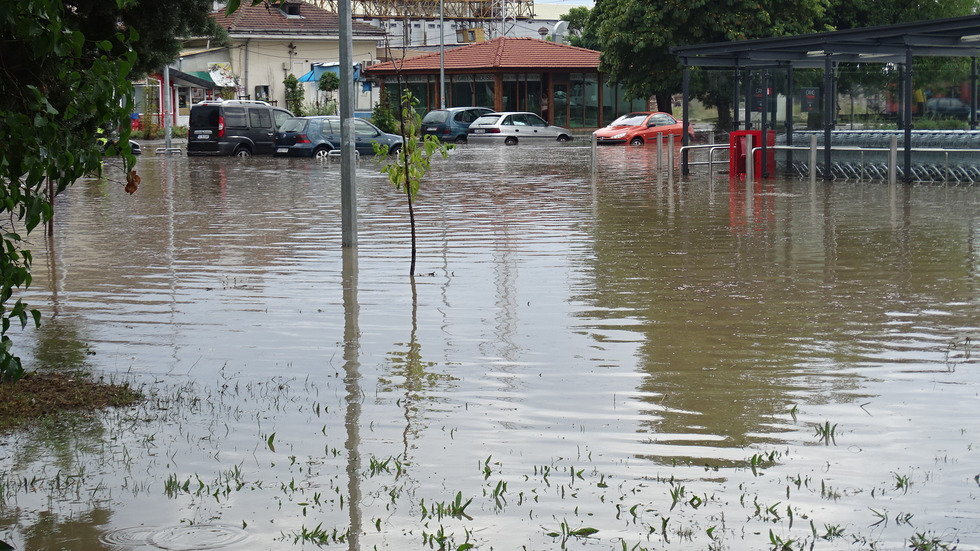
[561,82]
[268,43]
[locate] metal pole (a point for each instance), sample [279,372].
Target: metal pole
[442,59]
[660,149]
[749,160]
[348,192]
[738,98]
[973,94]
[670,159]
[813,158]
[908,115]
[748,99]
[828,109]
[686,113]
[892,159]
[789,114]
[595,153]
[764,168]
[167,107]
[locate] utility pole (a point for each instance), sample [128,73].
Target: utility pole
[348,191]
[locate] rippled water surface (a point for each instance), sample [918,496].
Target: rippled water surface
[608,361]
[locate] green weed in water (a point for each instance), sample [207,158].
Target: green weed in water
[903,482]
[927,542]
[565,532]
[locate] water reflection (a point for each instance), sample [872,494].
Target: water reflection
[352,377]
[602,324]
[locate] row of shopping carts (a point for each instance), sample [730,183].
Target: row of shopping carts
[937,155]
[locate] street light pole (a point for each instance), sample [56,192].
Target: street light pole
[442,58]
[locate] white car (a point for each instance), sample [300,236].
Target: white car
[512,128]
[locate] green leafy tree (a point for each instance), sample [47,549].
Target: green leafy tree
[61,90]
[581,30]
[383,116]
[848,14]
[66,71]
[636,35]
[328,82]
[294,95]
[413,158]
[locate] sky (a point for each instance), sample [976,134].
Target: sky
[569,3]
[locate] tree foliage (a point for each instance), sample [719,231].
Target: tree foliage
[66,68]
[581,31]
[159,25]
[637,35]
[413,158]
[61,89]
[294,95]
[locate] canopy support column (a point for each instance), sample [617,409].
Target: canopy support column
[828,113]
[738,99]
[748,99]
[685,110]
[789,113]
[764,142]
[973,94]
[908,115]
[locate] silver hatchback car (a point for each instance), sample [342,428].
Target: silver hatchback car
[512,128]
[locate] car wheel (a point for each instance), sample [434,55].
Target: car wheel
[242,153]
[393,150]
[510,140]
[460,139]
[564,138]
[636,141]
[321,153]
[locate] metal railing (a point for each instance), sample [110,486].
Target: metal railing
[941,169]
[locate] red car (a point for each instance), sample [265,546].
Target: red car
[640,128]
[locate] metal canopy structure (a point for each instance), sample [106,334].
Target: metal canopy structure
[897,44]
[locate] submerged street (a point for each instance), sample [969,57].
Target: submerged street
[608,360]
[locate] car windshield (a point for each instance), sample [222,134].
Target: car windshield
[293,125]
[487,119]
[633,119]
[435,117]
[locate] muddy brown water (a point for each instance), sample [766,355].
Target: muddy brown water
[672,363]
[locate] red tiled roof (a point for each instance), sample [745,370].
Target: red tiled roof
[265,19]
[500,53]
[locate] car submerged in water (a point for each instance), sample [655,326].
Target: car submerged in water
[511,128]
[452,124]
[319,135]
[640,128]
[240,128]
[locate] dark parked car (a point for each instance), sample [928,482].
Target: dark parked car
[450,125]
[317,136]
[235,127]
[948,108]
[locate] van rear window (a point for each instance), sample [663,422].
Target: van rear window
[204,116]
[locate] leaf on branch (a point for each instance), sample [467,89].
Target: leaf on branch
[132,182]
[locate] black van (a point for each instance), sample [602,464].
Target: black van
[234,127]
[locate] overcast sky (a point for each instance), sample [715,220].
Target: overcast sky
[569,3]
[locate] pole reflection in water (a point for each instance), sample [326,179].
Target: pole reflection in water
[352,376]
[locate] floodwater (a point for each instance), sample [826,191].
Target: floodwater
[621,360]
